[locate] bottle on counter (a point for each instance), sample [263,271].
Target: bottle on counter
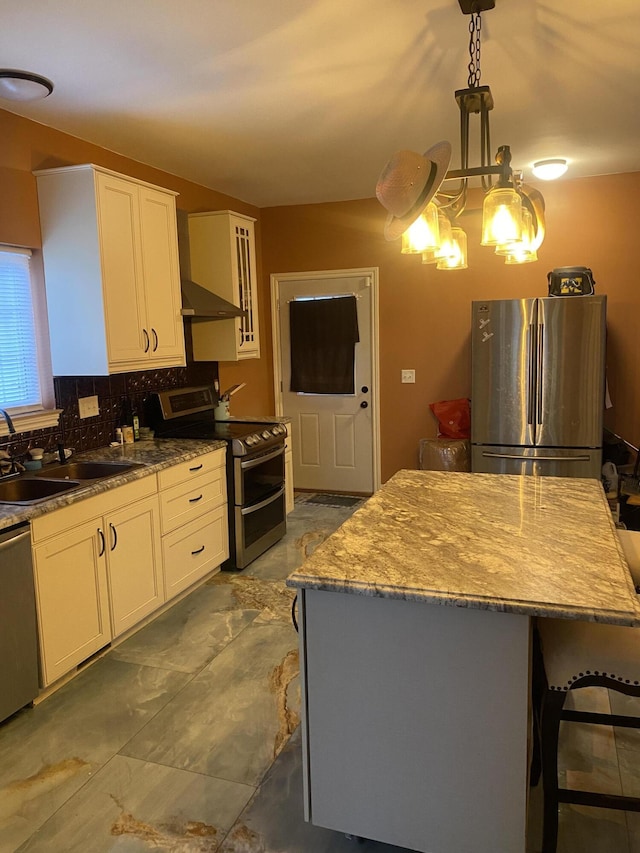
[126,421]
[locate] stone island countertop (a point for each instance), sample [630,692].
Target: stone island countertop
[542,546]
[152,456]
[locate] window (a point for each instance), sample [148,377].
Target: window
[25,385]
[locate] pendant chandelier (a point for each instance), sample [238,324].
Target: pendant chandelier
[424,214]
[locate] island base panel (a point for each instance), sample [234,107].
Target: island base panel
[415,722]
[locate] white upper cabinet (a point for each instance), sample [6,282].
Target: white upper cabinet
[223,260]
[110,251]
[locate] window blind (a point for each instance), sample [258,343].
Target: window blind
[19,377]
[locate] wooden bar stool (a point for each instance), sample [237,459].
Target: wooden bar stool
[585,654]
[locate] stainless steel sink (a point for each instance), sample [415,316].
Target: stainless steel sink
[86,470]
[27,490]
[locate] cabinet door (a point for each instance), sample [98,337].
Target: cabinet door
[72,599]
[194,550]
[223,260]
[134,563]
[128,339]
[243,236]
[159,252]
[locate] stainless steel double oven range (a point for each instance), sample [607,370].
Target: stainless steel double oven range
[255,466]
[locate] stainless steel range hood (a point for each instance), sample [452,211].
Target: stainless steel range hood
[197,301]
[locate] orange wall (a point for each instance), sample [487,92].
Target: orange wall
[425,313]
[27,146]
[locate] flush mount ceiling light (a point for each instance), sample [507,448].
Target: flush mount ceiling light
[23,85]
[549,170]
[410,186]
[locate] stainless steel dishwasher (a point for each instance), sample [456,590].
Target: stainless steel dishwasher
[18,627]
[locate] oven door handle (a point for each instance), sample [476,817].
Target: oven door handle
[255,507]
[258,460]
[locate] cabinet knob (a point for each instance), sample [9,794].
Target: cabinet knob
[365,389]
[364,405]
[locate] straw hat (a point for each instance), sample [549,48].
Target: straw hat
[408,183]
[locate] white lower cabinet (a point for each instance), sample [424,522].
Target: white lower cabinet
[88,558]
[134,556]
[103,564]
[194,550]
[193,507]
[72,599]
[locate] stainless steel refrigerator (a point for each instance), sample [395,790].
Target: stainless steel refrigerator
[538,385]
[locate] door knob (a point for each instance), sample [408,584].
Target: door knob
[364,404]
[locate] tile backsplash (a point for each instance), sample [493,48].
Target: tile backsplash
[111,391]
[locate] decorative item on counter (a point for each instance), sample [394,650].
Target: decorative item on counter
[221,411]
[135,420]
[146,434]
[126,421]
[35,458]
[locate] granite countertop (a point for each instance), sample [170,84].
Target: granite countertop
[152,456]
[542,546]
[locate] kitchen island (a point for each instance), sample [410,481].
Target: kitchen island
[415,639]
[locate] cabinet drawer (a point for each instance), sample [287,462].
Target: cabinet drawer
[187,501]
[92,507]
[194,550]
[197,467]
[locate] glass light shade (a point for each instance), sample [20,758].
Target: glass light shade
[521,257]
[432,254]
[525,243]
[501,217]
[423,234]
[549,170]
[454,253]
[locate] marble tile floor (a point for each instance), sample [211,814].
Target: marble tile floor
[185,737]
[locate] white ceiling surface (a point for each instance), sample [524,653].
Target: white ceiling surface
[298,101]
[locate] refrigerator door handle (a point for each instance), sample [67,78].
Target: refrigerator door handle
[531,374]
[540,366]
[536,458]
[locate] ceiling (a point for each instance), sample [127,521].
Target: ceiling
[281,102]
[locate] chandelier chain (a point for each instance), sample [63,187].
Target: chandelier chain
[475,26]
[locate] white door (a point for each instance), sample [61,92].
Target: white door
[334,436]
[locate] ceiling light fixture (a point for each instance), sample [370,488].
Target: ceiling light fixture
[549,170]
[23,85]
[411,184]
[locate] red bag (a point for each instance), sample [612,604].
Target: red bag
[454,417]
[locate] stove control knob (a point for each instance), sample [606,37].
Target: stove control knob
[250,440]
[266,434]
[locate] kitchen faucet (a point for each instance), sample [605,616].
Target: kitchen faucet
[10,425]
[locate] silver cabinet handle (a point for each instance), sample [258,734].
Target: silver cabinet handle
[536,458]
[255,507]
